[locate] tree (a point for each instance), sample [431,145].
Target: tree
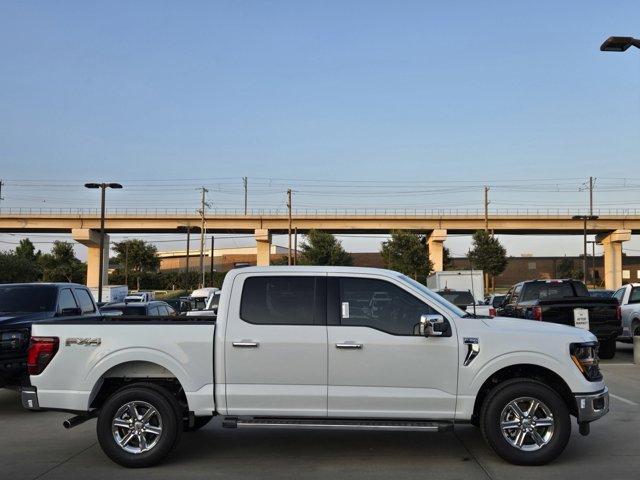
[447,259]
[322,248]
[566,269]
[61,265]
[487,254]
[136,257]
[27,250]
[16,269]
[405,253]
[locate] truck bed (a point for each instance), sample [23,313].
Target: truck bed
[90,351]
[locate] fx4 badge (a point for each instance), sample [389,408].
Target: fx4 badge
[87,342]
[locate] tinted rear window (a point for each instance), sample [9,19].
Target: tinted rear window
[27,298]
[128,310]
[278,300]
[551,291]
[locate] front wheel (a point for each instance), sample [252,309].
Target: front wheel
[525,422]
[138,426]
[607,349]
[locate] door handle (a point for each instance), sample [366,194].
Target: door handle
[245,344]
[352,346]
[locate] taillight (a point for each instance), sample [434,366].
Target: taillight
[41,352]
[537,313]
[492,312]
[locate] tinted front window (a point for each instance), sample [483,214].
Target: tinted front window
[279,300]
[497,300]
[84,298]
[66,300]
[548,291]
[634,297]
[381,305]
[28,298]
[459,298]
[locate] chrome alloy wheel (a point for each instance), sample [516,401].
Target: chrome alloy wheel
[136,427]
[527,424]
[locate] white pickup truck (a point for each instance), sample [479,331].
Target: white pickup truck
[629,300]
[320,347]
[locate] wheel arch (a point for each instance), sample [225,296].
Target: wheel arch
[525,370]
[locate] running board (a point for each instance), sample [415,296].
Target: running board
[338,424]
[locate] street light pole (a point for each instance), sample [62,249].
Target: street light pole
[584,218]
[103,187]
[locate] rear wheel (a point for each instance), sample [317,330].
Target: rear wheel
[607,349]
[525,422]
[138,426]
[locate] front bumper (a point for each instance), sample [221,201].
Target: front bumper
[592,406]
[29,396]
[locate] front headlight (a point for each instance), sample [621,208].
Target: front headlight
[585,357]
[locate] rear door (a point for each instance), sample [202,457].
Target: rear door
[276,345]
[379,365]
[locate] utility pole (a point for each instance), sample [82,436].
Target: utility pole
[591,185]
[1,184]
[126,262]
[244,181]
[186,279]
[202,219]
[289,207]
[295,246]
[486,229]
[211,266]
[486,208]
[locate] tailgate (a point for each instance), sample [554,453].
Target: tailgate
[90,351]
[602,313]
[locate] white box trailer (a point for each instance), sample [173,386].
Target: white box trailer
[467,280]
[111,293]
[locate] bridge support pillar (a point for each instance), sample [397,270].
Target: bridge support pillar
[91,239]
[612,246]
[435,246]
[263,247]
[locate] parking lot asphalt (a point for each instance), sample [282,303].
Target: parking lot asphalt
[34,445]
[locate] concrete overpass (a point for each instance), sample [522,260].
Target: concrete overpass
[612,227]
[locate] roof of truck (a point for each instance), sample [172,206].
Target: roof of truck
[315,268]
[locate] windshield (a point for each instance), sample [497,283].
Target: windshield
[128,310]
[27,298]
[436,298]
[458,298]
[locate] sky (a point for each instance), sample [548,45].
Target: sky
[406,104]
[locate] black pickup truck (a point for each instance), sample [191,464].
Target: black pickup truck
[567,302]
[22,305]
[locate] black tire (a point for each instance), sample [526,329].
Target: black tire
[167,417]
[635,329]
[496,404]
[607,349]
[198,423]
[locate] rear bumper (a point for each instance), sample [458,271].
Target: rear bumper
[592,406]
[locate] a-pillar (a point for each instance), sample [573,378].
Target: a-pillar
[435,244]
[612,246]
[263,247]
[91,239]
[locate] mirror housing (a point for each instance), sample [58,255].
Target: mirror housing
[427,324]
[70,312]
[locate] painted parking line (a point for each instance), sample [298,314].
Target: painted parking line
[630,402]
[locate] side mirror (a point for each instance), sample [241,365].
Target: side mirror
[428,323]
[70,312]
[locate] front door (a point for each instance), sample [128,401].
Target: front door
[379,365]
[276,346]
